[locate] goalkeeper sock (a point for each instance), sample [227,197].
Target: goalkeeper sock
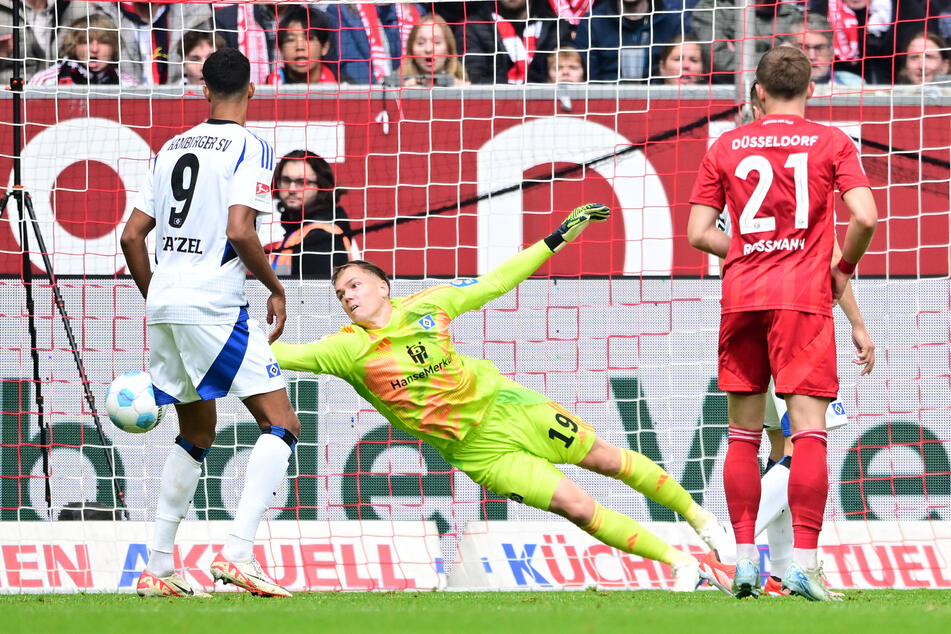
[179,480]
[742,486]
[267,468]
[646,476]
[773,498]
[808,487]
[623,533]
[779,535]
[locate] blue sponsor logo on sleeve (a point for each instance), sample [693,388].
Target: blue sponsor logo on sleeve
[427,322]
[273,369]
[469,281]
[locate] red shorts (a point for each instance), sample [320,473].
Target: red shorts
[797,348]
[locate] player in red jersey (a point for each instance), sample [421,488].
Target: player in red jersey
[777,177]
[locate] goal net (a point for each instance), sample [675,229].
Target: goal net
[443,161]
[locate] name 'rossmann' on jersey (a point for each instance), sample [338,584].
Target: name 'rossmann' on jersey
[767,246]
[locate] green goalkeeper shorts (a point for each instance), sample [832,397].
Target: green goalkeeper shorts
[514,450]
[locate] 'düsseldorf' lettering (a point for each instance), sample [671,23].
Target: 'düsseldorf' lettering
[794,140]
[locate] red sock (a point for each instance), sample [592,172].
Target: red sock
[741,482]
[808,486]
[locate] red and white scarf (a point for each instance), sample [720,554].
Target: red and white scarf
[408,15]
[570,10]
[380,62]
[251,40]
[845,25]
[521,50]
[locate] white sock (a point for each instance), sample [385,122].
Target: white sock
[747,551]
[774,498]
[780,537]
[806,558]
[267,468]
[176,490]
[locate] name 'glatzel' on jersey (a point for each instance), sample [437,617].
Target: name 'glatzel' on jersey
[195,178]
[776,177]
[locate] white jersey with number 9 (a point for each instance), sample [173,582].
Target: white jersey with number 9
[193,181]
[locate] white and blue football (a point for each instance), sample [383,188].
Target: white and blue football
[130,403]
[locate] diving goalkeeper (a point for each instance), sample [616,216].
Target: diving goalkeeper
[398,355]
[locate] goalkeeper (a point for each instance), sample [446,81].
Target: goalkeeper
[398,355]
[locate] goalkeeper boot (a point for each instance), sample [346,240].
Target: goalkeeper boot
[746,579]
[247,575]
[808,583]
[171,586]
[686,575]
[714,535]
[717,573]
[774,587]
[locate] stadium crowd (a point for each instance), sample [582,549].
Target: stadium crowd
[851,43]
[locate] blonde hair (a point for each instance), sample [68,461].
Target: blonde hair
[566,52]
[96,27]
[454,65]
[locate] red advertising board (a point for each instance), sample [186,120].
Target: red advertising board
[447,186]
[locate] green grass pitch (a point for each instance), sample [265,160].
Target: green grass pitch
[646,612]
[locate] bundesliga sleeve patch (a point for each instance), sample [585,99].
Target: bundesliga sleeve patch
[263,189]
[464,282]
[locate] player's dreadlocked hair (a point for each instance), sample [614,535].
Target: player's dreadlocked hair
[226,72]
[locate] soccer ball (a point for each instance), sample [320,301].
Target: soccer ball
[130,402]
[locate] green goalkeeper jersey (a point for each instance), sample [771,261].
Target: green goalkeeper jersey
[409,370]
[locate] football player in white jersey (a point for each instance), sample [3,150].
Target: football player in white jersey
[203,194]
[773,515]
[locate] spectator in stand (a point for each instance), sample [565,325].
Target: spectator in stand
[198,45]
[684,61]
[42,34]
[89,55]
[620,38]
[816,42]
[565,66]
[862,36]
[315,225]
[431,54]
[716,21]
[924,60]
[512,46]
[303,40]
[150,35]
[371,38]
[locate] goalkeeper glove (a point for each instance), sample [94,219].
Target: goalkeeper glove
[575,223]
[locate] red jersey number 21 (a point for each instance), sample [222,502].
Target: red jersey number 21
[749,223]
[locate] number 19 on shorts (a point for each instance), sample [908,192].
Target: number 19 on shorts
[565,424]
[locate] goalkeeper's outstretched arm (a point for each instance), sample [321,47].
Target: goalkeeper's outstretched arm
[520,266]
